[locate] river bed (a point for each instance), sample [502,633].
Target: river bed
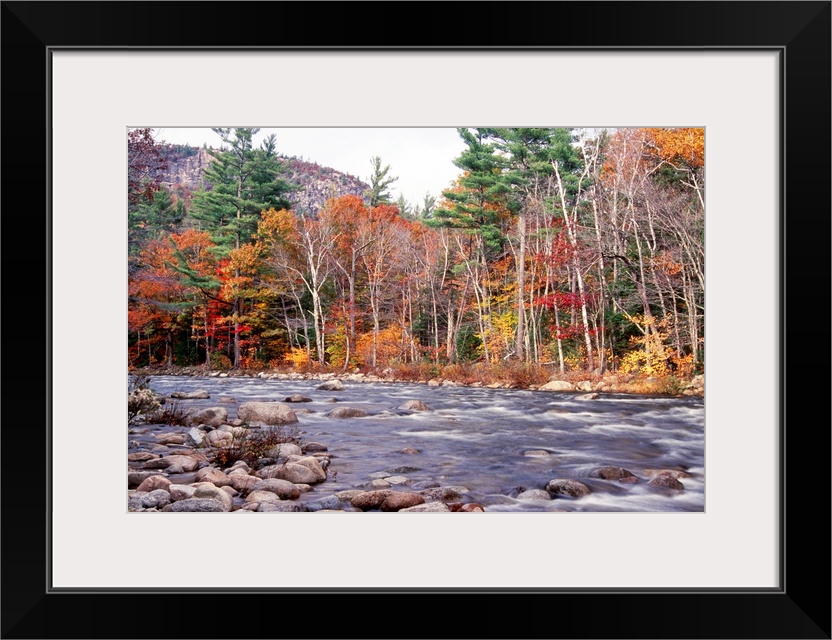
[495,443]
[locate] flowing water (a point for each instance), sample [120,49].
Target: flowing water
[479,438]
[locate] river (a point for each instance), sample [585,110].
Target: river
[481,439]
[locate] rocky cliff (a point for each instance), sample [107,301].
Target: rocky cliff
[316,184]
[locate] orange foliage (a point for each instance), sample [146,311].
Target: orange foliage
[389,346]
[682,144]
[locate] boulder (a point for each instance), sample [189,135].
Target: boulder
[283,506]
[181,492]
[284,489]
[401,500]
[213,416]
[348,494]
[472,507]
[666,480]
[190,395]
[588,396]
[285,450]
[610,473]
[226,400]
[272,413]
[239,466]
[154,483]
[414,405]
[314,446]
[135,478]
[241,482]
[327,502]
[270,471]
[141,456]
[213,475]
[195,437]
[220,438]
[534,494]
[209,491]
[198,504]
[314,465]
[262,496]
[297,398]
[428,507]
[403,469]
[570,488]
[452,493]
[347,412]
[134,500]
[174,464]
[298,474]
[156,499]
[557,385]
[331,385]
[370,499]
[410,451]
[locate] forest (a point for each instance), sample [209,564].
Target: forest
[556,250]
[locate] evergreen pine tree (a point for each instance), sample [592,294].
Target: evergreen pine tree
[244,181]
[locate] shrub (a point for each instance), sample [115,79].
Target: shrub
[671,385]
[249,445]
[140,402]
[220,361]
[173,414]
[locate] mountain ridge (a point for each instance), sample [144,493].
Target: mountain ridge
[186,165]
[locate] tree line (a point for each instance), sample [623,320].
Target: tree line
[568,248]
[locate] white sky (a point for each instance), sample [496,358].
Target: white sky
[421,157]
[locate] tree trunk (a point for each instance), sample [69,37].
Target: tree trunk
[520,341]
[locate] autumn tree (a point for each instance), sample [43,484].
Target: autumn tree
[347,217]
[244,181]
[145,165]
[479,208]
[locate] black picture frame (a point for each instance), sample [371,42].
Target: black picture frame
[800,608]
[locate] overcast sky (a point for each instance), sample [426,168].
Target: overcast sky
[422,158]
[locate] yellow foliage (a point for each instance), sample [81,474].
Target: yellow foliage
[501,334]
[574,358]
[650,354]
[297,357]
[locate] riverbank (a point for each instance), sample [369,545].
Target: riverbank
[475,376]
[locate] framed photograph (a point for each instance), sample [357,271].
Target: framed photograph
[750,561]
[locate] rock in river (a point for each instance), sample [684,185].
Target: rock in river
[666,480]
[267,412]
[557,385]
[571,488]
[297,398]
[347,412]
[414,405]
[611,473]
[214,416]
[191,395]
